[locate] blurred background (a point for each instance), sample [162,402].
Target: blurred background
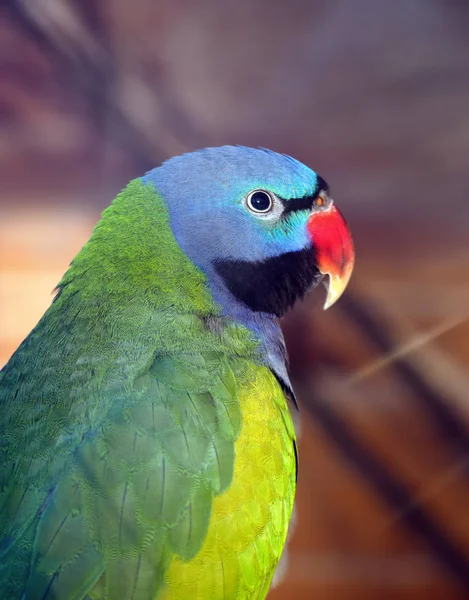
[372,94]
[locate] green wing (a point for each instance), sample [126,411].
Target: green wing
[114,440]
[106,518]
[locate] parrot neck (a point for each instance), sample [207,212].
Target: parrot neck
[133,266]
[264,326]
[132,257]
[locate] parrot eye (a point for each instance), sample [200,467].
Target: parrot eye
[259,201]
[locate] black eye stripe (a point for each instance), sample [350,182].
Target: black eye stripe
[296,204]
[306,202]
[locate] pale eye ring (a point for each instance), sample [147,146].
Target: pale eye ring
[260,202]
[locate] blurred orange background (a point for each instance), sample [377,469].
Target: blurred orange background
[373,95]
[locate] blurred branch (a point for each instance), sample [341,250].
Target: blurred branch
[444,417]
[432,398]
[413,342]
[389,488]
[437,367]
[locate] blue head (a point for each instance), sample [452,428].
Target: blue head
[244,216]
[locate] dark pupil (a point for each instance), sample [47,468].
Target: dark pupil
[260,201]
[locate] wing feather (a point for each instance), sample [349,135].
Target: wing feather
[137,490]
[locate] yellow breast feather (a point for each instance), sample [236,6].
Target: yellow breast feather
[249,521]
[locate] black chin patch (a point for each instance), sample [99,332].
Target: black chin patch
[272,285]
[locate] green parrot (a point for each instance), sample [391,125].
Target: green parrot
[147,450]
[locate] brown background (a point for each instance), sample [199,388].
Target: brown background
[372,94]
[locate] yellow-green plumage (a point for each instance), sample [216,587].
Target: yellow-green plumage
[145,451]
[249,521]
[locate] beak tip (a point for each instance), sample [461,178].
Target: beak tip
[336,286]
[329,302]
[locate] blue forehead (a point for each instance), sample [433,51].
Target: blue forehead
[228,172]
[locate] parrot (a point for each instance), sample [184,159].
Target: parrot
[147,443]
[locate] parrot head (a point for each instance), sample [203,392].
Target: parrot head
[261,225]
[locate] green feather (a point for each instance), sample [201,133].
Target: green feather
[114,439]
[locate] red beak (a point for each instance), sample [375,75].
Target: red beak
[335,254]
